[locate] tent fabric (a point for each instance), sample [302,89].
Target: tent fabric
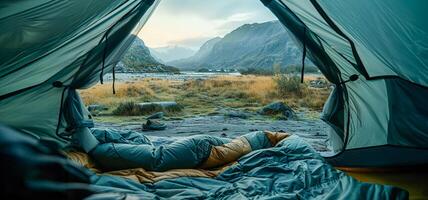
[290,170]
[385,44]
[33,170]
[49,49]
[396,24]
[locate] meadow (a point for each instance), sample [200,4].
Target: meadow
[205,96]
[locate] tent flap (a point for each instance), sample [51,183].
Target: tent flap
[51,49]
[383,110]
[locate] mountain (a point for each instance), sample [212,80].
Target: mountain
[139,59]
[200,55]
[169,53]
[251,46]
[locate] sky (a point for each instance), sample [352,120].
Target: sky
[190,23]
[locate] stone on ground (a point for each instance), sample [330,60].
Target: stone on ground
[96,107]
[154,125]
[276,108]
[157,115]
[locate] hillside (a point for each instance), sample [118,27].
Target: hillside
[139,59]
[257,46]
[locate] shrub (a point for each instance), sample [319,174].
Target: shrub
[131,108]
[289,85]
[128,108]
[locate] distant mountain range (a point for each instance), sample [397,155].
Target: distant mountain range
[258,46]
[139,59]
[170,53]
[252,48]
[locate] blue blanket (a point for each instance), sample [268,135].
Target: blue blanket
[290,170]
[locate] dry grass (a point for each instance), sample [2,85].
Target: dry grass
[204,96]
[297,94]
[146,90]
[250,88]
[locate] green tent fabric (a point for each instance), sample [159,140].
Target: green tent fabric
[379,119]
[51,48]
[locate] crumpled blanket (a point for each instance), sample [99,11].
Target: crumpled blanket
[291,169]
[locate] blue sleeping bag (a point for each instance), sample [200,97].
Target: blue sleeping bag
[290,170]
[126,149]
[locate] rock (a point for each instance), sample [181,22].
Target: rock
[282,117]
[276,108]
[96,110]
[154,125]
[157,115]
[319,83]
[151,107]
[95,107]
[236,114]
[213,113]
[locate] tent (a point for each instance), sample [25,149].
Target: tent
[49,49]
[378,119]
[374,52]
[46,55]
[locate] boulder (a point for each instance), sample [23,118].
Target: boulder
[95,107]
[151,107]
[157,115]
[153,125]
[96,110]
[319,83]
[276,108]
[236,114]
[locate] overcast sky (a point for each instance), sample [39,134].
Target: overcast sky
[190,23]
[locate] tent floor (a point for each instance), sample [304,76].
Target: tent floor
[415,181]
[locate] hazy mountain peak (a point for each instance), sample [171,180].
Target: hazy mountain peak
[171,52]
[257,45]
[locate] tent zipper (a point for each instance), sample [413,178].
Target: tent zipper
[59,84]
[302,75]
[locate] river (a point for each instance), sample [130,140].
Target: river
[121,77]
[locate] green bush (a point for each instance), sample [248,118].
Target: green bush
[131,108]
[128,108]
[289,85]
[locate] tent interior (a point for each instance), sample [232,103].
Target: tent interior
[374,52]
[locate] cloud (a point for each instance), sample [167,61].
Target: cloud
[193,43]
[188,22]
[210,9]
